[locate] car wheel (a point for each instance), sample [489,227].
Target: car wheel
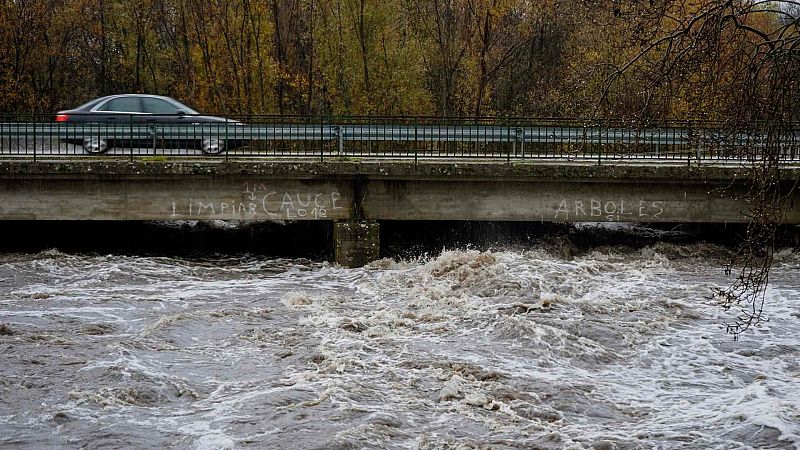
[95,145]
[212,146]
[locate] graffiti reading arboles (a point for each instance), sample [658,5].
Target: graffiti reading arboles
[258,201]
[611,210]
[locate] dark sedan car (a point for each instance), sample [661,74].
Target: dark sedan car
[140,110]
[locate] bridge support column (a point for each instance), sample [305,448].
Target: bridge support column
[356,242]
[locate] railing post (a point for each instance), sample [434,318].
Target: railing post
[508,136]
[699,152]
[225,142]
[657,136]
[600,142]
[340,136]
[130,133]
[34,140]
[416,140]
[513,141]
[690,132]
[138,130]
[321,140]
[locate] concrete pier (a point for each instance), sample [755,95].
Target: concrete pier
[356,242]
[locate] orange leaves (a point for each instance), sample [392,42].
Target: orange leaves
[443,57]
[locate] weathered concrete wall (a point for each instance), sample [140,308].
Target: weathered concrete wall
[179,198]
[109,190]
[550,201]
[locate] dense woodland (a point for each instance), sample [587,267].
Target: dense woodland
[472,58]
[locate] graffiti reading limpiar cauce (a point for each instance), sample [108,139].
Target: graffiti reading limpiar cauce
[258,201]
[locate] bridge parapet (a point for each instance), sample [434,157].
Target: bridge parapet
[37,136]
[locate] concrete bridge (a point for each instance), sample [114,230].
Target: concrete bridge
[357,195]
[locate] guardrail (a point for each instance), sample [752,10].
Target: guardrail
[38,136]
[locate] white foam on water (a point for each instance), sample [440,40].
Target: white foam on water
[464,349]
[215,442]
[632,298]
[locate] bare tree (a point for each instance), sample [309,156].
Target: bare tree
[445,25]
[737,62]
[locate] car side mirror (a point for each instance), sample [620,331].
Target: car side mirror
[180,112]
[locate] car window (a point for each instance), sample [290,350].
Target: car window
[90,105]
[158,106]
[122,104]
[183,107]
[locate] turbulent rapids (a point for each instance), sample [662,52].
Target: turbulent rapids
[527,347]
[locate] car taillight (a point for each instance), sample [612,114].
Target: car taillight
[62,117]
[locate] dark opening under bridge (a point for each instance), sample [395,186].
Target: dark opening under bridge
[357,175]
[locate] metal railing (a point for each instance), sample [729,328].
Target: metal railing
[34,136]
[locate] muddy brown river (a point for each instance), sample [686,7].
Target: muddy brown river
[517,348]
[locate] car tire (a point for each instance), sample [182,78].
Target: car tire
[212,146]
[95,145]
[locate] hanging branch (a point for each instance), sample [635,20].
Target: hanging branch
[739,60]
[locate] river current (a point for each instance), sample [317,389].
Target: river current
[521,347]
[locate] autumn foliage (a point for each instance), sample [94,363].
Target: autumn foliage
[360,57]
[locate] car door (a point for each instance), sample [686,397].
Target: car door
[161,111]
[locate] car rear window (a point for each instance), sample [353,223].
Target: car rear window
[89,105]
[122,104]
